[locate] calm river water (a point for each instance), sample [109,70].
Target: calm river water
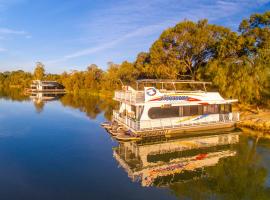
[58,150]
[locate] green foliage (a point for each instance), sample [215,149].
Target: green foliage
[39,71]
[142,65]
[183,49]
[15,79]
[110,80]
[242,67]
[81,80]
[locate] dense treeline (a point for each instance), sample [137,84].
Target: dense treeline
[238,63]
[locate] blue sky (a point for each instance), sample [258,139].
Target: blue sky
[72,34]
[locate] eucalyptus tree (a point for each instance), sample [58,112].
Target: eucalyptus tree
[185,48]
[242,63]
[39,71]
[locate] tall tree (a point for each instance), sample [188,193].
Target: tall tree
[93,77]
[39,71]
[242,66]
[183,49]
[110,80]
[142,65]
[127,73]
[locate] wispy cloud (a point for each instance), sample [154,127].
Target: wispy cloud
[12,31]
[144,31]
[7,32]
[2,49]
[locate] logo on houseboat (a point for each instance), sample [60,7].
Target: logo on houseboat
[175,98]
[151,91]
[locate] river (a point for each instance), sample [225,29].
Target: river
[56,149]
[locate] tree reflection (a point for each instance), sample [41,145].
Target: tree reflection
[91,105]
[13,94]
[39,106]
[238,177]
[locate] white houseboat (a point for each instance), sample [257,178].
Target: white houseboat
[46,86]
[158,111]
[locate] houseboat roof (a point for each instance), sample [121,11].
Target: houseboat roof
[171,81]
[44,81]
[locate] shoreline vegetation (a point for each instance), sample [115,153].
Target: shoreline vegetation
[237,63]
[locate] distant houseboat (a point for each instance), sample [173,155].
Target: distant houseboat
[46,86]
[160,111]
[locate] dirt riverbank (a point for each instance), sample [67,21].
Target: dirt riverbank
[254,118]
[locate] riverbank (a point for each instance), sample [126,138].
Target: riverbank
[254,118]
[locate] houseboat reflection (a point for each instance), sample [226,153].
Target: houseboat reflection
[168,160]
[39,97]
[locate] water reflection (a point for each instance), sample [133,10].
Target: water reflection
[91,105]
[171,160]
[40,98]
[13,94]
[219,166]
[222,165]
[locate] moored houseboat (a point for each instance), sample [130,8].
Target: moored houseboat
[46,86]
[150,110]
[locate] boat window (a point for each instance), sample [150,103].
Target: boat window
[157,112]
[186,111]
[200,110]
[211,109]
[194,110]
[183,111]
[190,110]
[228,108]
[225,108]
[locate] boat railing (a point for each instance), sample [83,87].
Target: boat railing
[129,96]
[169,123]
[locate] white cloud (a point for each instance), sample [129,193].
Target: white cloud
[6,32]
[144,31]
[12,31]
[2,49]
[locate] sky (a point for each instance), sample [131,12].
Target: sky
[70,35]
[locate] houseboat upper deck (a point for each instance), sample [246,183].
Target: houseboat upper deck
[152,109]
